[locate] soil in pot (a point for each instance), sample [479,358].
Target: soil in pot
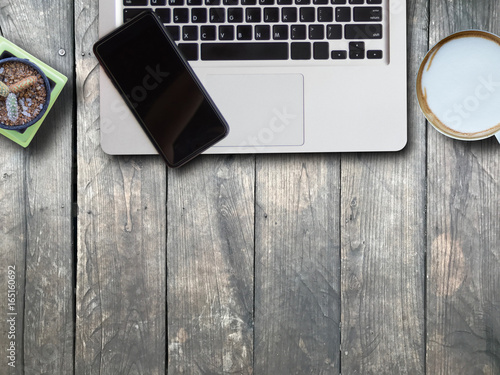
[30,101]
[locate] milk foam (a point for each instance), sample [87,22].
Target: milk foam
[461,83]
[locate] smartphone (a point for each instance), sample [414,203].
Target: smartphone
[161,89]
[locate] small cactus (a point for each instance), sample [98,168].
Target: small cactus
[22,85]
[4,89]
[11,104]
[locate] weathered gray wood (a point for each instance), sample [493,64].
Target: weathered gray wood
[12,251]
[294,215]
[463,309]
[297,295]
[383,246]
[120,317]
[42,241]
[210,266]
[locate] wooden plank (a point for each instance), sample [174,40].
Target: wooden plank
[463,330]
[12,252]
[382,265]
[42,174]
[383,226]
[297,300]
[210,266]
[120,309]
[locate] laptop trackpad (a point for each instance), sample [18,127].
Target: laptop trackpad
[262,110]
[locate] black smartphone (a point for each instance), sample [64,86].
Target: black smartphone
[161,89]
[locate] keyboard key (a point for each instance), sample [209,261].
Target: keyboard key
[306,14]
[193,2]
[190,33]
[320,50]
[262,32]
[363,31]
[284,2]
[302,2]
[207,33]
[356,50]
[217,15]
[300,51]
[280,32]
[343,14]
[164,14]
[367,14]
[230,2]
[252,15]
[235,15]
[374,54]
[316,32]
[174,32]
[271,14]
[181,15]
[320,2]
[189,50]
[248,2]
[244,51]
[175,2]
[128,14]
[334,32]
[325,14]
[266,2]
[226,32]
[298,32]
[374,1]
[339,55]
[212,2]
[135,3]
[356,1]
[244,32]
[288,15]
[158,3]
[339,2]
[198,15]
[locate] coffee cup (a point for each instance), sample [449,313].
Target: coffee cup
[458,85]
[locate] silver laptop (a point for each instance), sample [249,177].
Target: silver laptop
[287,75]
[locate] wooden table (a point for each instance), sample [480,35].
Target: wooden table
[384,263]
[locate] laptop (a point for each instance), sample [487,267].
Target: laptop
[289,76]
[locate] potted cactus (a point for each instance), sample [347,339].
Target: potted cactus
[28,89]
[26,92]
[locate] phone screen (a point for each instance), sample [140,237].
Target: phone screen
[161,89]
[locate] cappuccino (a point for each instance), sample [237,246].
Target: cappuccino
[458,85]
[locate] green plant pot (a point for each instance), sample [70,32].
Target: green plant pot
[56,81]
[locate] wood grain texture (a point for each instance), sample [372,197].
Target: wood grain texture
[210,266]
[47,198]
[382,266]
[297,295]
[12,248]
[463,302]
[246,264]
[464,258]
[120,317]
[383,246]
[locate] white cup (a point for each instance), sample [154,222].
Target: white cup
[458,85]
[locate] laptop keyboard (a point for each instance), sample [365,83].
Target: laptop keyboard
[231,30]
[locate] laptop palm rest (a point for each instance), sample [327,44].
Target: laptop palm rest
[261,109]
